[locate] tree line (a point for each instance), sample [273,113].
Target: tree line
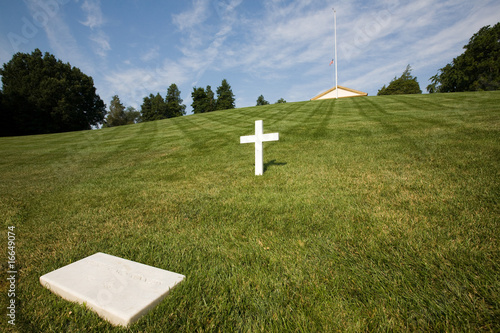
[204,99]
[262,101]
[478,68]
[40,94]
[155,107]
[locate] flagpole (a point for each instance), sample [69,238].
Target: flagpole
[336,75]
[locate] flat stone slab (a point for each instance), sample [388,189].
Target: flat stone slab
[119,290]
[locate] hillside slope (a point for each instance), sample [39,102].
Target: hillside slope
[374,213]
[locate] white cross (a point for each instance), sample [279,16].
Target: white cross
[258,138]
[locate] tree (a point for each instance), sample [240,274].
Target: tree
[405,84]
[211,102]
[225,97]
[132,116]
[173,102]
[44,95]
[157,108]
[281,100]
[199,97]
[261,101]
[478,68]
[116,115]
[119,116]
[153,108]
[146,108]
[203,100]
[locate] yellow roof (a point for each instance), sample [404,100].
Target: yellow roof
[352,93]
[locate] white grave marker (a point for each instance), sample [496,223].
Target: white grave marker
[119,290]
[258,138]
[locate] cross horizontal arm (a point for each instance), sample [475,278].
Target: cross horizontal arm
[271,137]
[247,139]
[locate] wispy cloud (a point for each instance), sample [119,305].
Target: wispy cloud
[152,54]
[61,40]
[93,11]
[193,17]
[101,44]
[134,83]
[94,20]
[204,48]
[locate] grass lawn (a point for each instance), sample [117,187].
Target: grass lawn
[373,214]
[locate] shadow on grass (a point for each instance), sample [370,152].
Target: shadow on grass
[272,163]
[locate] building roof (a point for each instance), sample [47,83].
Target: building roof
[343,92]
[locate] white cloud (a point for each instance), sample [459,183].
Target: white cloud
[101,43]
[203,47]
[135,83]
[94,20]
[62,42]
[93,11]
[285,37]
[152,54]
[194,17]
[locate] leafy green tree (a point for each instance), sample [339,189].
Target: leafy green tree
[203,100]
[173,102]
[44,95]
[5,123]
[281,100]
[225,97]
[261,101]
[158,107]
[199,97]
[116,115]
[132,116]
[153,108]
[405,84]
[146,108]
[478,68]
[211,102]
[119,116]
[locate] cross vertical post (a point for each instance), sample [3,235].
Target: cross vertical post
[259,150]
[258,139]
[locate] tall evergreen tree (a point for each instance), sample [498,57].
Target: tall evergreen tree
[203,100]
[158,107]
[44,95]
[225,96]
[173,102]
[146,108]
[153,108]
[199,97]
[116,115]
[211,102]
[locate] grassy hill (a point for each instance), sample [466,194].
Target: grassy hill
[373,214]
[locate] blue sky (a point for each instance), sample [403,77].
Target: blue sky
[278,48]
